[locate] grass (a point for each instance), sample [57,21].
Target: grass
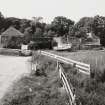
[87,87]
[46,89]
[95,58]
[37,89]
[9,52]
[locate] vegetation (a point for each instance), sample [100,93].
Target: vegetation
[98,27]
[60,26]
[37,88]
[82,27]
[9,52]
[43,87]
[95,58]
[15,43]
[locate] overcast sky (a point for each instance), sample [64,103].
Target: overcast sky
[73,9]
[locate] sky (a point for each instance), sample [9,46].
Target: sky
[48,9]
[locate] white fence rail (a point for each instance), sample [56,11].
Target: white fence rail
[66,85]
[84,68]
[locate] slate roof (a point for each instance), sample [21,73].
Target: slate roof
[11,31]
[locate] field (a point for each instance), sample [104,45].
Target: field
[95,58]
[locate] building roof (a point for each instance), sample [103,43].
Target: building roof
[11,31]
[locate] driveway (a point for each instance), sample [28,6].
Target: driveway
[12,68]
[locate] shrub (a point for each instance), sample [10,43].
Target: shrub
[14,43]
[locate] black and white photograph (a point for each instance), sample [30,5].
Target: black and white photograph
[52,52]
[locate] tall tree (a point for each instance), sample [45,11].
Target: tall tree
[24,23]
[38,32]
[61,25]
[35,23]
[12,21]
[98,28]
[83,26]
[27,35]
[85,22]
[49,30]
[2,19]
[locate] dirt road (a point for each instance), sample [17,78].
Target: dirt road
[11,68]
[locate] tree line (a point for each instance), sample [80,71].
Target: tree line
[60,26]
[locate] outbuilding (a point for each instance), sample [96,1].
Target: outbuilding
[9,34]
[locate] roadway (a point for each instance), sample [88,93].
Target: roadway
[11,69]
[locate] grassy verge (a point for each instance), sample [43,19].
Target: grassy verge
[45,87]
[37,89]
[9,52]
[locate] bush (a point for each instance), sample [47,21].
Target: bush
[54,43]
[14,43]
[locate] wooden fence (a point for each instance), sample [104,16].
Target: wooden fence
[82,67]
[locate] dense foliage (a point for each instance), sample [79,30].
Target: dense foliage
[99,28]
[60,26]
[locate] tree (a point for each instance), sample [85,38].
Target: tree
[98,28]
[51,33]
[12,21]
[61,25]
[49,27]
[27,35]
[38,32]
[24,23]
[49,30]
[71,30]
[85,22]
[2,19]
[82,27]
[35,23]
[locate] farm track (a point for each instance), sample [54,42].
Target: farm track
[11,69]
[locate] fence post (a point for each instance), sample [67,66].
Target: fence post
[66,85]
